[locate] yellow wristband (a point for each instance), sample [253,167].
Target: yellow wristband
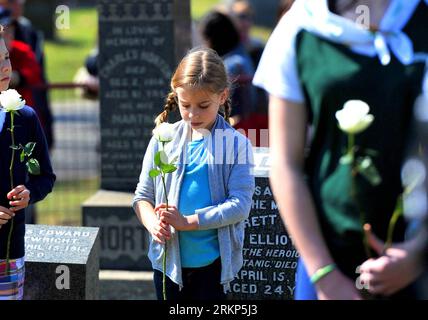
[322,272]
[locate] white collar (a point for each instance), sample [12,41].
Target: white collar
[318,19]
[2,119]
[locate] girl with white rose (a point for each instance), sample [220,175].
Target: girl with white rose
[322,54]
[27,188]
[210,193]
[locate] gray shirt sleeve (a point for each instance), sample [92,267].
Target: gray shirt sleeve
[146,187]
[240,189]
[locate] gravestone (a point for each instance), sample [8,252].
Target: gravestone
[140,45]
[42,14]
[270,259]
[138,55]
[61,263]
[124,242]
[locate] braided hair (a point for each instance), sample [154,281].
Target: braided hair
[170,106]
[227,109]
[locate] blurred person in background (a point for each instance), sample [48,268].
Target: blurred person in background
[87,75]
[242,14]
[320,56]
[24,31]
[18,186]
[25,76]
[219,33]
[26,71]
[406,262]
[283,7]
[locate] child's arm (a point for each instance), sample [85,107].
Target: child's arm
[39,185]
[396,267]
[19,198]
[160,231]
[173,217]
[241,184]
[5,215]
[146,187]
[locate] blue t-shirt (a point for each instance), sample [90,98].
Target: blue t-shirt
[200,247]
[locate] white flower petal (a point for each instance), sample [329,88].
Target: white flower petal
[164,132]
[354,117]
[363,124]
[356,107]
[11,100]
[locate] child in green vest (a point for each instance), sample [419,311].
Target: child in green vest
[322,54]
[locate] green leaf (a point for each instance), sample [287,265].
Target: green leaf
[29,147]
[154,173]
[168,168]
[368,170]
[22,156]
[161,158]
[157,159]
[33,166]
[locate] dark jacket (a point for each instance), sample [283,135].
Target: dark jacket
[27,129]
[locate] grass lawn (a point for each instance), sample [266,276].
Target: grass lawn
[63,205]
[65,55]
[200,7]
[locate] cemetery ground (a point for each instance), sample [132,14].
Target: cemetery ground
[76,121]
[126,285]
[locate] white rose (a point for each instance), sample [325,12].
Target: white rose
[11,100]
[354,117]
[164,132]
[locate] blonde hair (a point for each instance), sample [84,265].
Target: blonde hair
[201,68]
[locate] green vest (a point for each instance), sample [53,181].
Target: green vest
[330,75]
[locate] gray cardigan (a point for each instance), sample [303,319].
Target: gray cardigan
[231,182]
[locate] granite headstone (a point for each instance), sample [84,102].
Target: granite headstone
[138,52]
[124,241]
[43,15]
[62,263]
[270,259]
